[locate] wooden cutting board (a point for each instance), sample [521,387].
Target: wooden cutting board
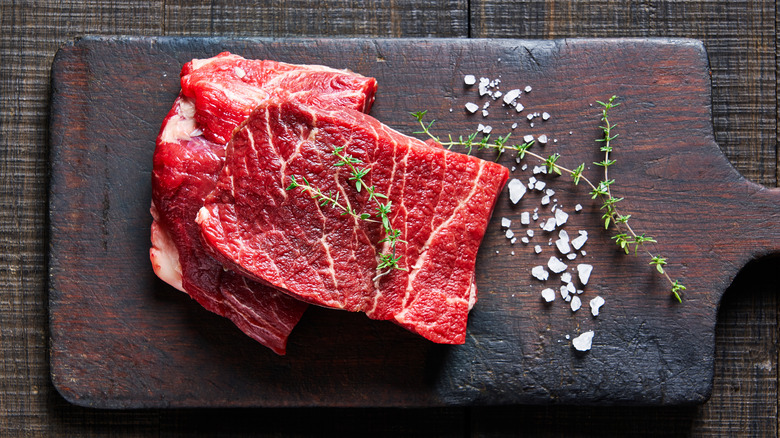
[120,338]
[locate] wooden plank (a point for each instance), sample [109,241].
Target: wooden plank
[523,356]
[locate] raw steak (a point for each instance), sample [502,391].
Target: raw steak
[441,202]
[185,168]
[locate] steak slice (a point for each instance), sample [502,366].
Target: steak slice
[441,201]
[186,164]
[227,87]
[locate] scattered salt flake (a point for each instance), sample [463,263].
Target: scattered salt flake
[514,168]
[535,217]
[570,287]
[568,337]
[528,138]
[580,291]
[540,273]
[563,246]
[584,270]
[530,233]
[537,249]
[539,169]
[469,80]
[545,116]
[578,207]
[525,166]
[583,342]
[532,124]
[563,235]
[566,277]
[571,255]
[487,129]
[524,239]
[576,303]
[549,225]
[548,295]
[511,95]
[529,117]
[525,218]
[497,94]
[510,234]
[484,84]
[485,113]
[514,239]
[516,190]
[542,139]
[549,192]
[506,222]
[583,253]
[472,107]
[539,185]
[519,107]
[560,217]
[556,265]
[480,127]
[528,88]
[579,241]
[545,200]
[513,253]
[486,105]
[595,305]
[514,125]
[565,293]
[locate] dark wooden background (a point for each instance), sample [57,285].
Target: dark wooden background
[741,37]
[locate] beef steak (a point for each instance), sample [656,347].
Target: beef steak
[186,164]
[441,201]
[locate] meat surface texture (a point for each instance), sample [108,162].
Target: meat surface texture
[186,164]
[441,201]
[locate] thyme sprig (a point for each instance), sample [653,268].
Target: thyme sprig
[387,260]
[626,238]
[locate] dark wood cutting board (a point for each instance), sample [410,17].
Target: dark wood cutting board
[120,338]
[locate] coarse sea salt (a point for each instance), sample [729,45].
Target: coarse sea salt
[528,138]
[506,222]
[510,234]
[540,273]
[576,303]
[537,249]
[584,341]
[565,293]
[563,246]
[516,190]
[469,80]
[560,217]
[580,240]
[545,116]
[549,225]
[519,107]
[556,265]
[525,218]
[524,239]
[472,107]
[528,88]
[539,185]
[542,139]
[571,255]
[578,207]
[530,233]
[548,295]
[539,169]
[566,277]
[595,305]
[511,95]
[583,271]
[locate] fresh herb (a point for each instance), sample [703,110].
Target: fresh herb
[626,238]
[387,260]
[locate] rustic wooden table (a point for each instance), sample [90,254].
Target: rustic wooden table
[741,38]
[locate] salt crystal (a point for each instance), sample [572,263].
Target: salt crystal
[566,277]
[528,138]
[529,117]
[539,185]
[511,95]
[556,265]
[571,255]
[545,200]
[539,169]
[469,80]
[545,116]
[535,217]
[514,239]
[513,253]
[576,303]
[568,337]
[548,295]
[540,273]
[487,129]
[549,225]
[525,166]
[578,207]
[530,233]
[497,94]
[579,241]
[560,217]
[583,253]
[514,168]
[565,293]
[532,124]
[524,240]
[510,234]
[484,84]
[549,192]
[570,287]
[528,88]
[563,246]
[516,190]
[472,107]
[583,342]
[514,125]
[506,222]
[542,139]
[486,105]
[584,270]
[525,218]
[480,127]
[519,107]
[485,113]
[537,249]
[595,305]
